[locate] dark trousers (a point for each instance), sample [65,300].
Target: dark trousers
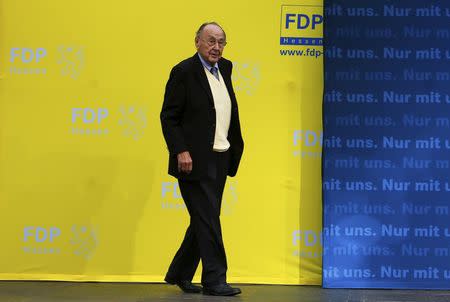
[203,238]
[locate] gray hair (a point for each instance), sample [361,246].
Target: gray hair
[200,29]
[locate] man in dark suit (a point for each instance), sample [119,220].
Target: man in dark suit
[200,123]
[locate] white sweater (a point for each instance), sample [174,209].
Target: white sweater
[222,104]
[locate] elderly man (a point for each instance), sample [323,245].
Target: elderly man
[200,123]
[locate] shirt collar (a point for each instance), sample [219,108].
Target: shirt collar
[206,64]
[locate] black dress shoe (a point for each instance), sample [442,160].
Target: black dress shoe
[185,286]
[221,290]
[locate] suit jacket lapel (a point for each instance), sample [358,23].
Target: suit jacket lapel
[200,72]
[227,79]
[225,75]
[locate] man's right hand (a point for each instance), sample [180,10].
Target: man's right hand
[184,162]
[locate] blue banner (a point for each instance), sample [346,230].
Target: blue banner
[386,182]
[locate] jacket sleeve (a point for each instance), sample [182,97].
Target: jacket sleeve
[172,112]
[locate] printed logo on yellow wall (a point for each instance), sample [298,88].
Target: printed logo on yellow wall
[301,25]
[307,244]
[42,240]
[130,120]
[36,60]
[171,198]
[307,143]
[246,77]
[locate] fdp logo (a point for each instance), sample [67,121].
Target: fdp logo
[41,234]
[84,240]
[41,240]
[89,121]
[25,60]
[27,55]
[89,115]
[246,77]
[71,60]
[307,243]
[301,25]
[307,143]
[133,121]
[306,238]
[171,198]
[229,197]
[52,240]
[39,60]
[130,120]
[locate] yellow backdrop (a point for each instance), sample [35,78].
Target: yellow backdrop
[84,193]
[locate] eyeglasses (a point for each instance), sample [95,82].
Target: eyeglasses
[213,42]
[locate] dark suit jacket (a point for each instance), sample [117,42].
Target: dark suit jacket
[188,118]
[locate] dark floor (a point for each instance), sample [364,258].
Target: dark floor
[14,291]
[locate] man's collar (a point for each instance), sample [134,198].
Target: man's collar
[206,64]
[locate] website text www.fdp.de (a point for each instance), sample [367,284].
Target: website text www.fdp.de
[309,52]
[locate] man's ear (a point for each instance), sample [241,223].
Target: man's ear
[196,42]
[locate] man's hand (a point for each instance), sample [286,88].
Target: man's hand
[184,162]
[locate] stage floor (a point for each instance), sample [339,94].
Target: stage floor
[30,291]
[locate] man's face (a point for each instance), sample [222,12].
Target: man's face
[210,43]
